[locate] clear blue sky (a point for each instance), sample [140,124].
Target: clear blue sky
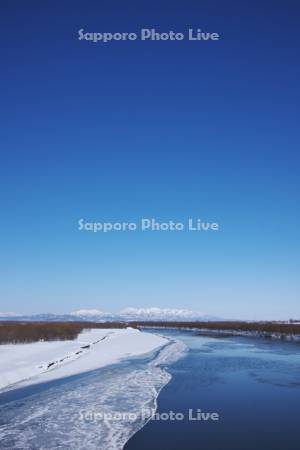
[150,129]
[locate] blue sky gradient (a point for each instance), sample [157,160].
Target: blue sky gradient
[119,131]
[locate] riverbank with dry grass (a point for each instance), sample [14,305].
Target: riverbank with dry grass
[25,332]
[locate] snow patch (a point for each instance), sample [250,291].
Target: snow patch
[59,417]
[44,361]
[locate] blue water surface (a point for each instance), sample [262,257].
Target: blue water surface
[252,383]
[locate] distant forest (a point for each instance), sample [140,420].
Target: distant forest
[22,332]
[267,328]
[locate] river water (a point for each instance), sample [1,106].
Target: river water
[252,385]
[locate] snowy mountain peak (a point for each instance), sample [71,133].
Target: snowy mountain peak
[126,314]
[88,312]
[155,313]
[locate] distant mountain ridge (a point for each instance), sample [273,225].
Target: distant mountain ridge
[127,314]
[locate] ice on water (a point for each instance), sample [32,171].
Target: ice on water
[66,416]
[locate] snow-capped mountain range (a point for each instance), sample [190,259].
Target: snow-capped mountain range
[127,314]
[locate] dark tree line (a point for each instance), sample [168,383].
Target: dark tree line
[18,332]
[21,332]
[260,327]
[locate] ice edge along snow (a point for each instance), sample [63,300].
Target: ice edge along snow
[157,369]
[24,364]
[52,418]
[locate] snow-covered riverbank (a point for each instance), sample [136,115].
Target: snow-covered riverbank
[24,364]
[82,411]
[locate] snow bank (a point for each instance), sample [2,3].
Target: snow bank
[44,361]
[72,415]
